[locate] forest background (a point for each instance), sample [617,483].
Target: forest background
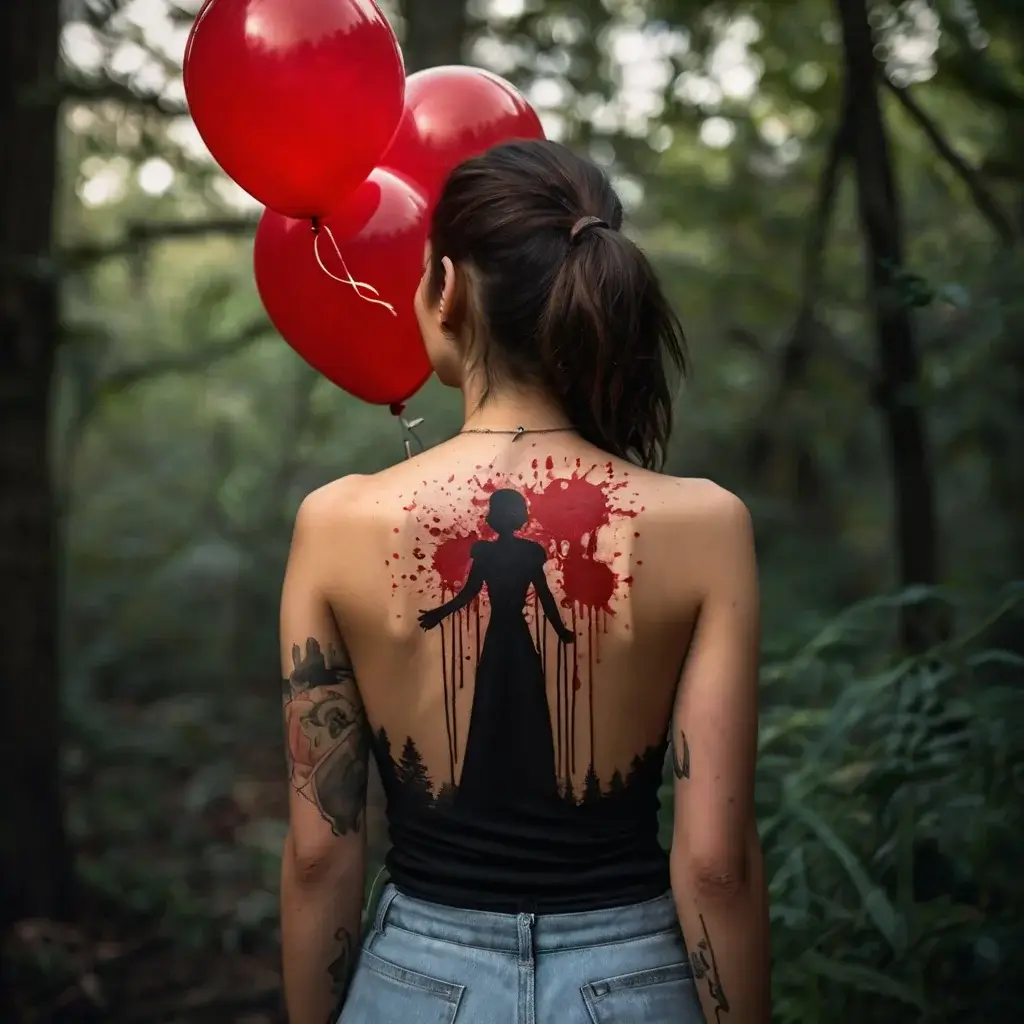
[834,193]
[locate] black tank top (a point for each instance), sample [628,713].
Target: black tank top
[512,824]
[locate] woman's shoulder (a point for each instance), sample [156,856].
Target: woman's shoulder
[328,503]
[692,527]
[709,528]
[704,500]
[532,549]
[693,500]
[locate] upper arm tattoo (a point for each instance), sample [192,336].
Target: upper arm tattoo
[680,754]
[327,734]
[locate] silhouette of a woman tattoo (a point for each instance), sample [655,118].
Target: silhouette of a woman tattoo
[510,750]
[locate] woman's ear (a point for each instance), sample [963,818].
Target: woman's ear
[448,288]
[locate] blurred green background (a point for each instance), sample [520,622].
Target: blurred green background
[833,191]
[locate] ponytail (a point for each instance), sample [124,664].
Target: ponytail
[604,340]
[558,300]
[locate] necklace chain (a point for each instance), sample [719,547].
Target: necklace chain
[516,431]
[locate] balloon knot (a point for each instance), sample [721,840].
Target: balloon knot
[397,408]
[314,224]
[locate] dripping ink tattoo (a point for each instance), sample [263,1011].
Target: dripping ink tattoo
[340,969]
[510,708]
[680,755]
[705,968]
[514,581]
[327,735]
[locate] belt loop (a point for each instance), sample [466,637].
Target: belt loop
[525,924]
[386,899]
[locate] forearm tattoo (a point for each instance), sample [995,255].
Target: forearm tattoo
[680,755]
[705,968]
[340,970]
[327,735]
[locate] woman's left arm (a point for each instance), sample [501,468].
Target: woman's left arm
[323,870]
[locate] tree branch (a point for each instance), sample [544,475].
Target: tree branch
[975,71]
[191,362]
[791,366]
[110,89]
[798,346]
[828,188]
[986,203]
[143,233]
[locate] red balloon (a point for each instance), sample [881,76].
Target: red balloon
[380,232]
[295,99]
[451,114]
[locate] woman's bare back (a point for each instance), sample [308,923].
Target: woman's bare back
[445,593]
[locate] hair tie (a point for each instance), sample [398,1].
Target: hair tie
[583,224]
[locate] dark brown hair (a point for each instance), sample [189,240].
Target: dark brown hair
[583,317]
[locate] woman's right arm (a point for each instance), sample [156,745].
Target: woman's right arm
[717,870]
[471,588]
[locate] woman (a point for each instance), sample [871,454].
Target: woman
[519,625]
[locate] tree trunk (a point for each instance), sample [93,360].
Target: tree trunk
[35,862]
[435,33]
[898,394]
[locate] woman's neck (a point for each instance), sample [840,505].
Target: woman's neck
[509,408]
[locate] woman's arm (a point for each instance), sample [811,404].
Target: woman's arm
[717,871]
[327,738]
[550,606]
[474,584]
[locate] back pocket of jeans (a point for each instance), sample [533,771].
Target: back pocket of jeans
[660,995]
[383,993]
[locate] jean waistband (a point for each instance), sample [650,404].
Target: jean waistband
[504,932]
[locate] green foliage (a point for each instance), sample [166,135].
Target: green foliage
[202,862]
[889,796]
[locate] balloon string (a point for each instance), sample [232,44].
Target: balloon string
[408,430]
[357,286]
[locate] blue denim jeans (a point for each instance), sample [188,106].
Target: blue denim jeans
[427,964]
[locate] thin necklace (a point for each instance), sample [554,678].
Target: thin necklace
[517,431]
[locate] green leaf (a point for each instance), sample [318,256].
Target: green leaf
[955,295]
[876,904]
[862,978]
